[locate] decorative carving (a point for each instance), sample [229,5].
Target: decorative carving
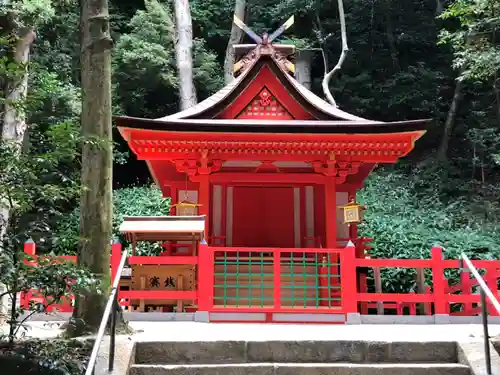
[265,105]
[263,46]
[246,61]
[338,169]
[265,97]
[364,148]
[194,167]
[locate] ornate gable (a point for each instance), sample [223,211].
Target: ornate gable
[265,106]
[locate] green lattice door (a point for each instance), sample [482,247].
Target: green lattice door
[246,280]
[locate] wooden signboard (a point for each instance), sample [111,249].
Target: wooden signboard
[171,277]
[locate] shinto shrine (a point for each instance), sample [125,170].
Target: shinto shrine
[262,177]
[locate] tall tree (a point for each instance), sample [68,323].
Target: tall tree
[18,22]
[97,155]
[234,38]
[325,84]
[184,53]
[476,48]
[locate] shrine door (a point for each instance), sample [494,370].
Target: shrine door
[263,217]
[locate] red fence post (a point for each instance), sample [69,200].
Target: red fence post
[348,279]
[441,306]
[492,283]
[466,288]
[30,251]
[205,278]
[116,254]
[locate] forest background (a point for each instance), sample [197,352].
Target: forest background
[408,59]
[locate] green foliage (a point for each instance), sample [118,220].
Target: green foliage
[28,13]
[133,201]
[35,186]
[145,65]
[408,214]
[54,357]
[55,282]
[476,45]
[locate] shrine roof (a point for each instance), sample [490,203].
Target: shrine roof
[294,87]
[324,117]
[272,126]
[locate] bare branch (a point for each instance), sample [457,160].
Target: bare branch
[328,77]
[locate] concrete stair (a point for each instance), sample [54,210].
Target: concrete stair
[297,358]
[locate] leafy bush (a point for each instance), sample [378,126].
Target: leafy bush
[131,201]
[406,215]
[49,357]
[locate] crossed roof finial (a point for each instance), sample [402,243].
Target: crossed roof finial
[266,38]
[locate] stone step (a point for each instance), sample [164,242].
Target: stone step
[302,369]
[226,352]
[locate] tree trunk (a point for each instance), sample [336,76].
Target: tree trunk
[391,41]
[96,196]
[325,84]
[439,7]
[496,90]
[184,53]
[303,68]
[450,121]
[14,119]
[235,38]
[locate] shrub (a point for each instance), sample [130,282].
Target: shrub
[405,221]
[131,201]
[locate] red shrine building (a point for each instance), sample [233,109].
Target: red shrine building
[270,165]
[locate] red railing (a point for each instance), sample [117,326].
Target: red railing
[439,298]
[436,296]
[277,260]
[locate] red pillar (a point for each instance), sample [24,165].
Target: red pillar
[440,303]
[492,282]
[30,252]
[205,278]
[331,236]
[330,213]
[173,199]
[204,201]
[116,254]
[349,288]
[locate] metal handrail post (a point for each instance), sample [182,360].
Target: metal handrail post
[112,336]
[110,308]
[484,316]
[484,292]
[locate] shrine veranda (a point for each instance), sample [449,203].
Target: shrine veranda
[263,177]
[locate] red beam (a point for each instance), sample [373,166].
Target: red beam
[161,260]
[278,178]
[215,249]
[463,298]
[161,155]
[394,297]
[392,263]
[308,310]
[146,134]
